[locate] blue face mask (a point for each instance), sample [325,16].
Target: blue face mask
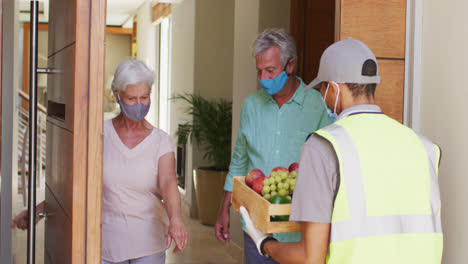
[134,112]
[331,115]
[273,86]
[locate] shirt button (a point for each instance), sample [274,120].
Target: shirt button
[277,151]
[278,132]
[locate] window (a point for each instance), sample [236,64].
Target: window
[164,73]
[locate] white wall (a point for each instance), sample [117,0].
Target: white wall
[443,108]
[146,52]
[182,79]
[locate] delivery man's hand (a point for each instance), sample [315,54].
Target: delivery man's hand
[256,235]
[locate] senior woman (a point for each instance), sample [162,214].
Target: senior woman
[141,204]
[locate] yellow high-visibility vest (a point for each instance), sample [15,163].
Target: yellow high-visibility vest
[387,206]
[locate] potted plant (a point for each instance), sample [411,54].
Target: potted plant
[211,128]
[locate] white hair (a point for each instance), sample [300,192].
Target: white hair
[131,72]
[276,37]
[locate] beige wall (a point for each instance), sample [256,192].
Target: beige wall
[214,43]
[251,18]
[211,55]
[118,49]
[443,107]
[274,13]
[214,49]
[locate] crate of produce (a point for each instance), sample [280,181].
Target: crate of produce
[260,209]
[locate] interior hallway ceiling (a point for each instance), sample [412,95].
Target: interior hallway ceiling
[119,12]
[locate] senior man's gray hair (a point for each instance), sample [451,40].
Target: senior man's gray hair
[276,37]
[131,72]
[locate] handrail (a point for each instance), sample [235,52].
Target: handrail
[25,96]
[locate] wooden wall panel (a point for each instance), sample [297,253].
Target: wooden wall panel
[58,234]
[389,94]
[59,170]
[319,35]
[63,27]
[312,25]
[60,87]
[378,23]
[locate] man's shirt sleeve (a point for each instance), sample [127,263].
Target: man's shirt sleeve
[316,183]
[240,158]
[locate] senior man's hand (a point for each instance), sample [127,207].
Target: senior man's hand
[256,235]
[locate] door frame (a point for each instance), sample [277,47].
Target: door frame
[96,127]
[8,41]
[89,93]
[90,26]
[413,64]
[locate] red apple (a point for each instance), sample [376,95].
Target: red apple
[279,168]
[294,166]
[252,176]
[257,185]
[278,171]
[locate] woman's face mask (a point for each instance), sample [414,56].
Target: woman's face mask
[134,112]
[331,115]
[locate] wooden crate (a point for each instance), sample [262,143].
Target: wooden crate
[260,209]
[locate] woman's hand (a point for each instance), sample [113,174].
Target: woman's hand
[22,219]
[167,182]
[178,233]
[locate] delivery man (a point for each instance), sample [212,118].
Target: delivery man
[367,189]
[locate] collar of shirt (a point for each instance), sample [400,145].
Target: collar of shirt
[298,96]
[357,109]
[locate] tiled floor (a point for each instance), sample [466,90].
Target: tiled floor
[203,247]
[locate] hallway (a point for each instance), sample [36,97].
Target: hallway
[203,247]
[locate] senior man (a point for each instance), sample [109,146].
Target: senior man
[367,189]
[274,123]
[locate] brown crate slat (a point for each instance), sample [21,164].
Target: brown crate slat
[260,209]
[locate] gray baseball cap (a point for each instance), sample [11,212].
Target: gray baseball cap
[342,63]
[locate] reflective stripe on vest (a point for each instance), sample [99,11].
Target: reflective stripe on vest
[355,221]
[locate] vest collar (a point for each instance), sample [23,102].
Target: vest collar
[357,109]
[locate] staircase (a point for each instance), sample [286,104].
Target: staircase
[23,145]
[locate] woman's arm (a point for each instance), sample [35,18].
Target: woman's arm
[167,182]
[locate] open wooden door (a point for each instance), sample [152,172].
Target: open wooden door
[75,92]
[381,25]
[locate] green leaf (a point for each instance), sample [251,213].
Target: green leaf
[211,127]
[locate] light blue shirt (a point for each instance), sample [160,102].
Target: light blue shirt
[270,136]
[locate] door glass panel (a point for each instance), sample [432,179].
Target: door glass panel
[21,145]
